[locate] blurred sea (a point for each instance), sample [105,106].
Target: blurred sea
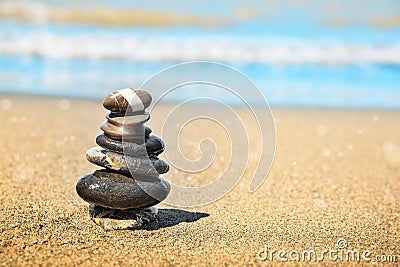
[299,52]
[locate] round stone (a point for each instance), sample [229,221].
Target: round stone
[128,99]
[118,191]
[145,166]
[131,132]
[122,119]
[114,219]
[154,146]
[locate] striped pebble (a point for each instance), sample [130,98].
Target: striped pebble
[131,100]
[124,119]
[132,132]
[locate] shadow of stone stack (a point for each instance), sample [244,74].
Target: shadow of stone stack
[123,194]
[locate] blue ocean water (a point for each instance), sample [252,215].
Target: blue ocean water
[307,54]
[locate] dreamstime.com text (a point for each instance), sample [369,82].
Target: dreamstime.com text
[340,253]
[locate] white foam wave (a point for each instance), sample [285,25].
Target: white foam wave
[184,48]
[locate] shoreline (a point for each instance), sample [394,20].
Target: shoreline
[4,95]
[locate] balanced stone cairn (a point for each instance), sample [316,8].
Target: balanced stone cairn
[123,194]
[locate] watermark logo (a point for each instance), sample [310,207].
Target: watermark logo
[221,88]
[341,243]
[341,252]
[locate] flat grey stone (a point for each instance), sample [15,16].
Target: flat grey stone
[118,191]
[113,219]
[146,166]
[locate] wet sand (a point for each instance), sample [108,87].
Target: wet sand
[335,177]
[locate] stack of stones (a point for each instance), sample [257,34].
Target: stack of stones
[123,194]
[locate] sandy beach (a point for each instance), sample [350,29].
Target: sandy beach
[335,181]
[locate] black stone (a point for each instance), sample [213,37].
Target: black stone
[154,146]
[130,148]
[117,191]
